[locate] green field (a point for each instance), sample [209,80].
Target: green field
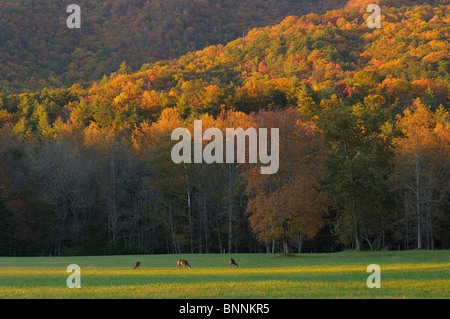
[404,274]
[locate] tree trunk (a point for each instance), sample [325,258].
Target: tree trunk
[205,225]
[188,191]
[200,231]
[285,239]
[300,242]
[230,210]
[358,243]
[418,203]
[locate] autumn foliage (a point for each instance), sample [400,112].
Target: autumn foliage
[289,205]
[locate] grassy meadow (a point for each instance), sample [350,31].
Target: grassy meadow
[404,274]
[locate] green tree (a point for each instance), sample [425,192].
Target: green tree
[359,149]
[124,69]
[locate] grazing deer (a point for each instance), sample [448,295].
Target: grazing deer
[138,265]
[232,262]
[184,263]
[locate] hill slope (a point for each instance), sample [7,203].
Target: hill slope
[313,57]
[37,49]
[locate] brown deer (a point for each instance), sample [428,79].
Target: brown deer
[184,263]
[138,265]
[233,262]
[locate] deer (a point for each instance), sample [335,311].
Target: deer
[233,262]
[138,265]
[184,263]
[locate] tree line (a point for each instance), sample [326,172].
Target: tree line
[352,174]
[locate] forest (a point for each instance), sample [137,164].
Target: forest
[37,50]
[363,114]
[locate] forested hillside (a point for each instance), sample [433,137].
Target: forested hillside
[364,144]
[38,50]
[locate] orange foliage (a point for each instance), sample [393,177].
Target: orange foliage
[288,203]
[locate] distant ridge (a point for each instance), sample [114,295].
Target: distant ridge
[38,50]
